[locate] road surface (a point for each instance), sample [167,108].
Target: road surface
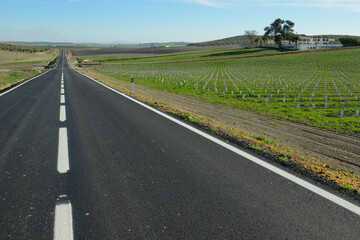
[80,161]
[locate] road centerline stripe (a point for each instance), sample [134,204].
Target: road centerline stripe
[62,99]
[63,152]
[62,113]
[63,226]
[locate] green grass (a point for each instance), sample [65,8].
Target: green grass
[254,147]
[265,140]
[259,84]
[9,78]
[345,186]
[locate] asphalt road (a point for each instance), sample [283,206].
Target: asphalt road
[81,161]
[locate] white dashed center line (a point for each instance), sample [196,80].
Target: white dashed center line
[62,113]
[62,99]
[63,152]
[63,228]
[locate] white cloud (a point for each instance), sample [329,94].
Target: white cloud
[211,3]
[352,5]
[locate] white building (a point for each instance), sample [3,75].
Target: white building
[310,42]
[316,42]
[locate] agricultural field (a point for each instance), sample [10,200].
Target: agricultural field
[8,58]
[17,66]
[192,56]
[317,88]
[138,51]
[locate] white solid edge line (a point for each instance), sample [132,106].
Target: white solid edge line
[63,152]
[11,89]
[62,113]
[333,198]
[63,226]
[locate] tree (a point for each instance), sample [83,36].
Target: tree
[278,40]
[251,35]
[349,41]
[295,38]
[288,30]
[274,29]
[280,30]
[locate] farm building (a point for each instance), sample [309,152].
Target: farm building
[310,42]
[317,42]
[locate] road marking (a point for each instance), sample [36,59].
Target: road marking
[62,99]
[317,190]
[63,227]
[63,152]
[62,91]
[62,85]
[62,113]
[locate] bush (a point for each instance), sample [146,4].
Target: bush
[349,41]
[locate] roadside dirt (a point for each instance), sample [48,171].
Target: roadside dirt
[331,148]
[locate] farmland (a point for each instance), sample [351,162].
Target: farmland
[192,56]
[17,66]
[136,51]
[315,88]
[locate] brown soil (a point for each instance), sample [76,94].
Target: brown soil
[331,148]
[133,51]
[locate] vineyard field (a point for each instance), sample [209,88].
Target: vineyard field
[317,88]
[189,56]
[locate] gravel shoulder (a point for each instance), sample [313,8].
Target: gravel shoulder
[332,148]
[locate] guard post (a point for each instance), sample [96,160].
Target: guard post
[132,84]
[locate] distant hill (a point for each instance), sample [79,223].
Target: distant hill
[242,41]
[237,40]
[52,44]
[170,44]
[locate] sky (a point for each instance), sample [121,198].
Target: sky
[140,21]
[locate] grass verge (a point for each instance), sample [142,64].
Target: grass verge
[9,79]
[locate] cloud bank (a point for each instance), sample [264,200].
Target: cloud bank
[351,5]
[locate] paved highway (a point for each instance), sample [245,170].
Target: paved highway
[81,161]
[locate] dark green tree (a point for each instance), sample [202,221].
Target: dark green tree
[280,30]
[274,29]
[349,41]
[288,30]
[278,40]
[295,38]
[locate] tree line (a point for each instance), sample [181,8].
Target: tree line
[14,48]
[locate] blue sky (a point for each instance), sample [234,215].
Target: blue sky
[168,20]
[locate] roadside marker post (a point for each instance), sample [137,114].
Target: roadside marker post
[132,84]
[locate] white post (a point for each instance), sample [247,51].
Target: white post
[132,84]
